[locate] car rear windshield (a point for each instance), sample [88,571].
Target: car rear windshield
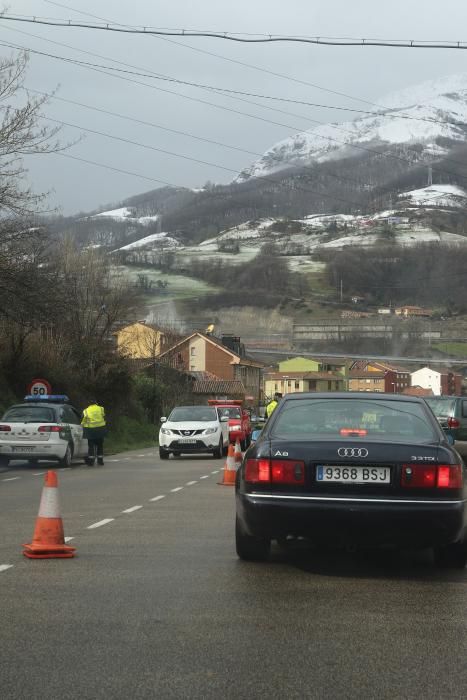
[354,418]
[193,413]
[30,414]
[441,406]
[230,412]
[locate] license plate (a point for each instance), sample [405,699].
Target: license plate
[187,440]
[23,449]
[353,475]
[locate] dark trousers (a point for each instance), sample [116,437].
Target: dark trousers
[96,447]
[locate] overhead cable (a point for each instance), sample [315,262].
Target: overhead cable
[229,36]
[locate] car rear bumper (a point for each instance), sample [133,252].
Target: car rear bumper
[34,450]
[375,522]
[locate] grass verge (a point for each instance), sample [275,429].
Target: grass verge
[129,434]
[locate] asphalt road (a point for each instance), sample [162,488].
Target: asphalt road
[156,604]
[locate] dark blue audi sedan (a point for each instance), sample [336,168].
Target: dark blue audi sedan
[353,469]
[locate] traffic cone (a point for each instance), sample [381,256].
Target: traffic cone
[238,454]
[228,476]
[48,541]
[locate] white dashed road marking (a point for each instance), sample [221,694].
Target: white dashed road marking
[38,473]
[12,478]
[114,460]
[157,498]
[100,523]
[132,509]
[68,539]
[141,455]
[206,476]
[179,488]
[216,471]
[191,483]
[65,469]
[4,567]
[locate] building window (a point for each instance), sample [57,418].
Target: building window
[193,351]
[297,385]
[368,380]
[289,383]
[275,387]
[329,386]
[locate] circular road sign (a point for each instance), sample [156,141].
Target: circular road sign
[39,387]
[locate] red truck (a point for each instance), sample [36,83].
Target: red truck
[239,420]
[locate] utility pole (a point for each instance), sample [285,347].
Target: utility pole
[430,176]
[341,290]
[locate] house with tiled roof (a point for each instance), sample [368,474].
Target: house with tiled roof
[367,375]
[224,358]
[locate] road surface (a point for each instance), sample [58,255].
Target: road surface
[157,605]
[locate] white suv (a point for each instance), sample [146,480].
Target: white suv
[43,427]
[193,429]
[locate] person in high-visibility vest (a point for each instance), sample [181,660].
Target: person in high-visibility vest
[94,430]
[272,405]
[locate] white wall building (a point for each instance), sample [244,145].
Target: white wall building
[428,379]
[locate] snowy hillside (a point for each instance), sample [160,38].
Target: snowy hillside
[436,196]
[416,115]
[155,240]
[125,214]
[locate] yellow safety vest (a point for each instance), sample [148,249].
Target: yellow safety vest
[270,408]
[93,417]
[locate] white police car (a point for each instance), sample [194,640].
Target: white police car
[42,427]
[194,429]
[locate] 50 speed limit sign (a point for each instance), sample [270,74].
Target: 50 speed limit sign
[39,387]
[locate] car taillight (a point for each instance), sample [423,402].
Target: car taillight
[453,423]
[442,476]
[5,428]
[274,471]
[49,429]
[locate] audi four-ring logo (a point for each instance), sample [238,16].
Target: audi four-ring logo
[352,452]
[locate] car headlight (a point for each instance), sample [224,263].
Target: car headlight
[210,431]
[234,427]
[166,431]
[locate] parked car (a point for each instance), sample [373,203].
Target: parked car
[353,469]
[42,427]
[239,420]
[193,429]
[451,412]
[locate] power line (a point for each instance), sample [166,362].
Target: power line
[290,78]
[225,58]
[97,68]
[235,111]
[139,121]
[230,36]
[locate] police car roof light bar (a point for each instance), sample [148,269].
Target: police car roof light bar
[51,398]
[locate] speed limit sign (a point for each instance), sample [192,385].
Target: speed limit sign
[39,387]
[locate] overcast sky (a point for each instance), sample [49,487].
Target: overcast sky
[367,73]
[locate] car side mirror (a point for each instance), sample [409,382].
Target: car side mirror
[450,438]
[163,419]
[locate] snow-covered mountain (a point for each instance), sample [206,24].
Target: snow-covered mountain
[416,115]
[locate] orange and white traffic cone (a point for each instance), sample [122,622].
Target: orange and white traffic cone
[228,476]
[238,454]
[48,541]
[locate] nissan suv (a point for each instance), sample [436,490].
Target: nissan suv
[193,429]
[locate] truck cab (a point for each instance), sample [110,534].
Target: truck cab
[239,420]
